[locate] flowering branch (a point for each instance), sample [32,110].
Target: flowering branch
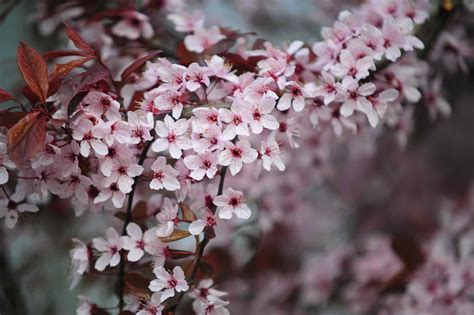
[129,219]
[217,100]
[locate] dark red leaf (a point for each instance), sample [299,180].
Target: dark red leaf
[76,99]
[34,70]
[135,101]
[178,254]
[79,42]
[185,56]
[8,119]
[137,284]
[64,53]
[408,250]
[26,137]
[140,212]
[221,46]
[5,96]
[188,214]
[95,310]
[61,70]
[137,64]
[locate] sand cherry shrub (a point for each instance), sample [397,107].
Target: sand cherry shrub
[177,127]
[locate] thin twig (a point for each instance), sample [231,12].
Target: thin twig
[201,246]
[128,219]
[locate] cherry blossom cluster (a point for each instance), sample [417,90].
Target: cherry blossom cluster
[154,149]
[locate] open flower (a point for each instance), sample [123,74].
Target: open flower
[235,155]
[80,259]
[168,283]
[294,97]
[356,97]
[5,163]
[167,218]
[10,209]
[164,175]
[133,26]
[270,154]
[232,202]
[172,137]
[153,306]
[203,38]
[109,247]
[205,218]
[202,165]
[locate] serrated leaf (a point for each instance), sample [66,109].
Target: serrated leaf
[61,70]
[26,138]
[34,70]
[79,42]
[176,236]
[137,64]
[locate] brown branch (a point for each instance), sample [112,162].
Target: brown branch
[128,219]
[201,246]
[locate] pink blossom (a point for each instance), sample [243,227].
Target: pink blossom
[219,68]
[170,100]
[187,22]
[232,202]
[109,248]
[294,97]
[133,26]
[203,38]
[236,154]
[171,137]
[393,39]
[212,306]
[203,117]
[164,176]
[167,218]
[270,154]
[113,193]
[168,283]
[202,165]
[123,173]
[5,164]
[329,88]
[351,67]
[356,97]
[235,124]
[210,139]
[141,123]
[196,77]
[153,306]
[205,218]
[257,115]
[99,104]
[80,259]
[136,242]
[12,208]
[379,105]
[90,136]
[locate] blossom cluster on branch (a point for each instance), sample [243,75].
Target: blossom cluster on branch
[149,108]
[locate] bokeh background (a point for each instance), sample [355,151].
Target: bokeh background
[397,190]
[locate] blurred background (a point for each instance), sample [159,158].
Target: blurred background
[359,188]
